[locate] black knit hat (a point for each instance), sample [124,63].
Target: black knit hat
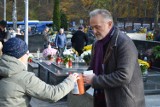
[3,23]
[80,27]
[15,47]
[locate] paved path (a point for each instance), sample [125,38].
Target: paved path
[39,103]
[151,101]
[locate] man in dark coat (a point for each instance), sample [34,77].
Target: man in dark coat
[3,33]
[117,76]
[79,40]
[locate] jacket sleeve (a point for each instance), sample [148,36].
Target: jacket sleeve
[126,61]
[73,40]
[65,40]
[36,88]
[56,40]
[86,39]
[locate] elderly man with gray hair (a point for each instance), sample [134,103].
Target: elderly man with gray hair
[117,78]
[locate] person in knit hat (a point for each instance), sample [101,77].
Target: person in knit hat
[15,47]
[18,85]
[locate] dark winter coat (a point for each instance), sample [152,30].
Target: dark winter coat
[121,79]
[79,40]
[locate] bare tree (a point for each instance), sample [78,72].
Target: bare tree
[39,2]
[1,4]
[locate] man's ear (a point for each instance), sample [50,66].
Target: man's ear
[110,23]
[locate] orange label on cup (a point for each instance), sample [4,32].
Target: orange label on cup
[79,86]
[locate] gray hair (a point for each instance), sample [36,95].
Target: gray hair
[61,29]
[103,12]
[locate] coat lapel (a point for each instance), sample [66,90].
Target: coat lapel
[108,54]
[111,46]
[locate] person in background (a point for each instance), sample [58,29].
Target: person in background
[3,31]
[18,85]
[90,35]
[11,33]
[46,37]
[117,78]
[60,41]
[30,31]
[79,40]
[157,34]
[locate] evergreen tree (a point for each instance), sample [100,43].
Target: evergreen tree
[56,15]
[64,23]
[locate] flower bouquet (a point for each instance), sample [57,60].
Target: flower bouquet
[149,36]
[30,57]
[88,47]
[156,51]
[49,52]
[143,65]
[86,55]
[67,58]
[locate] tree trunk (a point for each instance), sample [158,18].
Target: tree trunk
[114,11]
[156,11]
[138,9]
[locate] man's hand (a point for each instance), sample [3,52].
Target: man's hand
[88,78]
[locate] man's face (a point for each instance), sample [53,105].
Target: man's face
[100,26]
[47,29]
[61,31]
[25,57]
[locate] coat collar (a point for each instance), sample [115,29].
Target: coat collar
[112,44]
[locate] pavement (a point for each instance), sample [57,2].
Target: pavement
[151,101]
[39,103]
